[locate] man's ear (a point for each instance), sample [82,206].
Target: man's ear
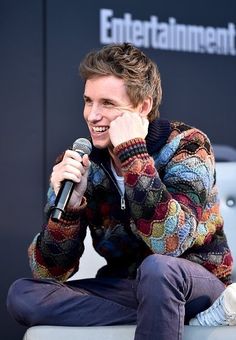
[145,107]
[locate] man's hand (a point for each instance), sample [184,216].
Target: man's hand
[75,168]
[128,126]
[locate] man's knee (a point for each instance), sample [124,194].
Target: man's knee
[162,272]
[158,266]
[16,304]
[21,302]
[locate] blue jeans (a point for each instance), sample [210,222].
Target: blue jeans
[166,293]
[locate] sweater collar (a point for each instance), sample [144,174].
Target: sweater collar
[158,133]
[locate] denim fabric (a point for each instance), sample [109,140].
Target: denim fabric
[167,292]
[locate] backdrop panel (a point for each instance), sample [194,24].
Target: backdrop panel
[21,134]
[41,45]
[198,74]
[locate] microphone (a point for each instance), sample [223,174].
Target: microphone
[82,146]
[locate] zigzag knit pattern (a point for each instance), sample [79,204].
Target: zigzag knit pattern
[172,209]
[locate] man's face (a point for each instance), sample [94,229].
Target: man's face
[105,98]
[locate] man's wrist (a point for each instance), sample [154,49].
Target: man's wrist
[72,214]
[133,148]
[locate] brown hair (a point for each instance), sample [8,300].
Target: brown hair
[140,74]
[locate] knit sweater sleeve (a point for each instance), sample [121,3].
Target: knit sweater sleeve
[167,209]
[55,252]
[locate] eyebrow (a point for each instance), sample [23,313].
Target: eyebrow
[102,99]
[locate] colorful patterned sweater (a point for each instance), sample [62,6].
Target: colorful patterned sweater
[171,208]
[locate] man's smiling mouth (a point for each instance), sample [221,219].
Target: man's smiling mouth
[100,128]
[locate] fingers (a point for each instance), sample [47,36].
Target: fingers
[128,126]
[72,167]
[86,162]
[129,120]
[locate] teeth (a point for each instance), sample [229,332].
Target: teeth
[100,128]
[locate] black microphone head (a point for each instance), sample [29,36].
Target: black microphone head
[82,146]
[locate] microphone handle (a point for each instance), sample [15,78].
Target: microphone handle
[62,199]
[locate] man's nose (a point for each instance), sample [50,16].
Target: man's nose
[95,114]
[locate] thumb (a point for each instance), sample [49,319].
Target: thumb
[86,162]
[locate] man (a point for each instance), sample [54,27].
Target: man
[148,194]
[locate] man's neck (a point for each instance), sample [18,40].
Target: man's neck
[116,163]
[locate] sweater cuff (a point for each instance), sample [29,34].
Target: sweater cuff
[72,215]
[132,149]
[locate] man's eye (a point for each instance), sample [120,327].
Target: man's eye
[87,101]
[107,103]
